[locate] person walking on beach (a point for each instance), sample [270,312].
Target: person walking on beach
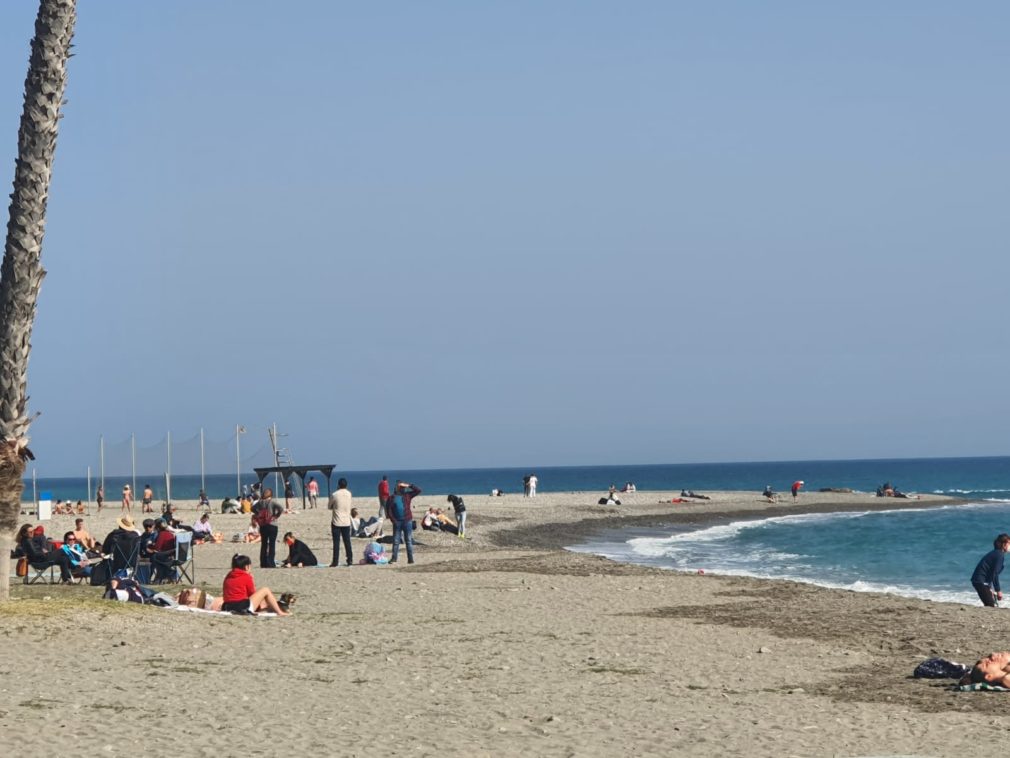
[400,514]
[265,516]
[340,522]
[312,490]
[289,495]
[796,488]
[127,506]
[985,580]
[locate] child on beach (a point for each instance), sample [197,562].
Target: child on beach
[239,593]
[985,580]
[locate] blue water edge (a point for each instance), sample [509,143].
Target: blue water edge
[923,553]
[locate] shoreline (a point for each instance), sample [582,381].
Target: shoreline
[507,644]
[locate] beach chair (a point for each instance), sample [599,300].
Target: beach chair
[183,560]
[125,553]
[43,572]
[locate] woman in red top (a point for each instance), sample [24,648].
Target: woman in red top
[240,594]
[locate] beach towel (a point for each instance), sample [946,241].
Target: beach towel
[980,687]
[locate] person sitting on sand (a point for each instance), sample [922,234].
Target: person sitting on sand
[429,523]
[299,554]
[252,534]
[361,527]
[203,532]
[84,538]
[993,669]
[239,593]
[628,487]
[985,580]
[197,598]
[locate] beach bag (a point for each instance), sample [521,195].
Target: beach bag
[397,509]
[21,569]
[100,574]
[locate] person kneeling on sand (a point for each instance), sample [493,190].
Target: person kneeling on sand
[299,554]
[240,594]
[993,669]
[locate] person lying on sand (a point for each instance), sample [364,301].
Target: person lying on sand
[197,598]
[993,669]
[692,493]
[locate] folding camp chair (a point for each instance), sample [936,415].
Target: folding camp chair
[46,573]
[183,560]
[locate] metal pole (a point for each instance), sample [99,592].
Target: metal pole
[238,460]
[89,490]
[168,473]
[101,461]
[203,484]
[133,462]
[35,492]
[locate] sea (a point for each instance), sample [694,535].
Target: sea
[924,553]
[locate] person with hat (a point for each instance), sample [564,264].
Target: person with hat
[122,544]
[796,488]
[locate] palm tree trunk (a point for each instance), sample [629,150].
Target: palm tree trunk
[21,272]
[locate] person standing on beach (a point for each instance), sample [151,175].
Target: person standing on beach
[533,485]
[100,497]
[340,522]
[127,506]
[526,485]
[148,499]
[459,510]
[265,516]
[985,580]
[383,497]
[312,490]
[796,488]
[400,514]
[289,495]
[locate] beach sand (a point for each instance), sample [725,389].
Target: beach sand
[501,644]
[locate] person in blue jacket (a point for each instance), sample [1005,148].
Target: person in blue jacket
[985,580]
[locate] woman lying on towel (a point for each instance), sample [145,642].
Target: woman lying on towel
[196,598]
[240,593]
[993,669]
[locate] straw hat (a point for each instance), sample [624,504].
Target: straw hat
[125,522]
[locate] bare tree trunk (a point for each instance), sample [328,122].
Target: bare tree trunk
[21,272]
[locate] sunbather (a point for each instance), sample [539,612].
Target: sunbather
[993,669]
[197,598]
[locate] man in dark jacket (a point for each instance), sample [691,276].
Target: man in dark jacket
[985,580]
[123,544]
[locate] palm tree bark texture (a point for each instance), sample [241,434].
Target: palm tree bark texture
[21,273]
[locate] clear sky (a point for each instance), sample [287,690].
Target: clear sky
[454,234]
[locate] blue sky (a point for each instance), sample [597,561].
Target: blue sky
[456,234]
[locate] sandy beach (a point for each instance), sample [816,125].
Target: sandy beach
[501,644]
